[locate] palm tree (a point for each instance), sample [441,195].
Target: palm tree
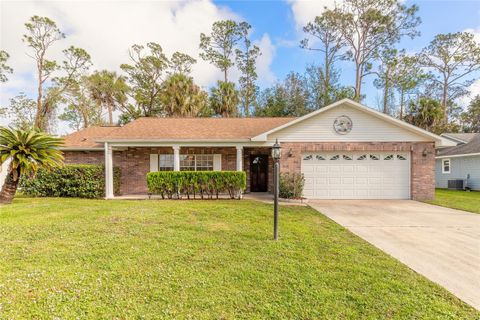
[28,151]
[181,97]
[108,90]
[224,99]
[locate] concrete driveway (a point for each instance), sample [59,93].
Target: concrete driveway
[440,243]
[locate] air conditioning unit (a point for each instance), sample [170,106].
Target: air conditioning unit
[457,184]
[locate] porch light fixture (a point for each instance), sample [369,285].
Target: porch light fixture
[276,151]
[276,154]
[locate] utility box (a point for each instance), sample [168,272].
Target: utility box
[456,184]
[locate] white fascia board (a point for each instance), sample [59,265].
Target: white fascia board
[459,155]
[439,141]
[80,149]
[173,140]
[188,144]
[452,138]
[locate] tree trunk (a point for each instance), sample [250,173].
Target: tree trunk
[225,75]
[385,95]
[402,97]
[110,114]
[85,121]
[327,80]
[38,116]
[358,83]
[9,187]
[444,102]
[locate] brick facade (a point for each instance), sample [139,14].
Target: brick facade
[84,157]
[135,162]
[422,167]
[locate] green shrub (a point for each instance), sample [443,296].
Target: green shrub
[207,184]
[291,185]
[81,181]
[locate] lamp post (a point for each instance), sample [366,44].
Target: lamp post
[276,154]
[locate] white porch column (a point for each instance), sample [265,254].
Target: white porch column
[108,172]
[176,158]
[239,158]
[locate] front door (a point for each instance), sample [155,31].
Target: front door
[258,173]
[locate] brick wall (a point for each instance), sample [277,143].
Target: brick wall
[84,157]
[135,162]
[422,167]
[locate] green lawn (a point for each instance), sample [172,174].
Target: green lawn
[96,259]
[468,201]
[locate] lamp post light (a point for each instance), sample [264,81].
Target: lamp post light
[276,154]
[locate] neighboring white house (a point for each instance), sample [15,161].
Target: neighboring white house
[461,162]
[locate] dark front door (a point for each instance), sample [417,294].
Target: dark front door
[258,173]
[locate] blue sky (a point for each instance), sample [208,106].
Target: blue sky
[276,18]
[107,29]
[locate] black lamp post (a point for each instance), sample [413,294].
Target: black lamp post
[276,154]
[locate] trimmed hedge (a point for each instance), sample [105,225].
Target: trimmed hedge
[291,185]
[80,181]
[207,184]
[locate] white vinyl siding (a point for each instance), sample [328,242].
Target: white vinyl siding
[365,128]
[356,175]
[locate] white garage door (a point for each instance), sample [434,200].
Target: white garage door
[356,175]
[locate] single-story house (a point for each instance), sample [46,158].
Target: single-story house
[345,151]
[461,162]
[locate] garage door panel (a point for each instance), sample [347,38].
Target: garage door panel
[357,176]
[308,168]
[321,168]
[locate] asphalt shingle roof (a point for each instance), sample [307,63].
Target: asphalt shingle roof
[176,129]
[473,146]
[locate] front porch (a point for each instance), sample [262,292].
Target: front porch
[136,161]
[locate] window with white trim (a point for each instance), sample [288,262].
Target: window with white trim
[196,162]
[188,162]
[165,162]
[446,166]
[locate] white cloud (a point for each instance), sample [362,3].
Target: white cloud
[265,75]
[106,29]
[305,11]
[475,32]
[474,90]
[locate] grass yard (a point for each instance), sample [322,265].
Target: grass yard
[468,201]
[71,258]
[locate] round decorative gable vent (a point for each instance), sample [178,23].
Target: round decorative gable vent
[342,125]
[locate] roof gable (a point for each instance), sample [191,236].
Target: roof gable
[368,125]
[469,148]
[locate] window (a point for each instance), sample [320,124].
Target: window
[196,162]
[345,157]
[362,157]
[374,157]
[446,166]
[319,157]
[165,162]
[389,157]
[335,157]
[400,157]
[309,157]
[204,162]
